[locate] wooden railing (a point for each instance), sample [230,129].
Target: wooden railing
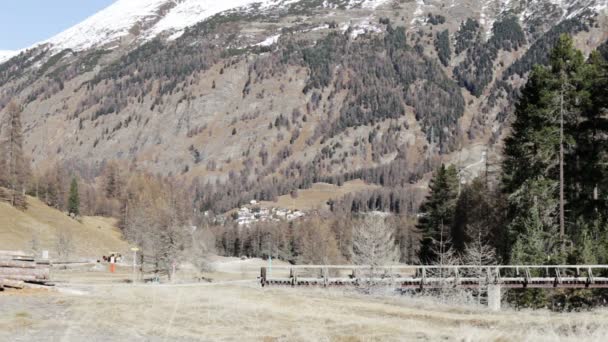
[434,276]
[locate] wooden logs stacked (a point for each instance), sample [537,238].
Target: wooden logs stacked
[18,269]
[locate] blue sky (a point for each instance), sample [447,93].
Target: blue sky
[25,22]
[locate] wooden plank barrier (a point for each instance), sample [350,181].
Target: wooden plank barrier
[18,268]
[432,276]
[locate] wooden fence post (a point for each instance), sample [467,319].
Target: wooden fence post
[263,276]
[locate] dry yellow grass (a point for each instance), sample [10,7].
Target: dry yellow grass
[246,312]
[92,305]
[91,238]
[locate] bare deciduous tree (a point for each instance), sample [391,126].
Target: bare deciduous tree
[64,245]
[481,254]
[374,243]
[155,219]
[202,246]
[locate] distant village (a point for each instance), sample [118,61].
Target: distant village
[253,213]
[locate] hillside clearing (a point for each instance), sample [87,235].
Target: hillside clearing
[317,196]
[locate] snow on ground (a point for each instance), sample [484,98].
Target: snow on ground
[107,25]
[601,5]
[190,12]
[5,55]
[363,28]
[486,21]
[418,13]
[372,4]
[169,16]
[269,41]
[118,19]
[238,265]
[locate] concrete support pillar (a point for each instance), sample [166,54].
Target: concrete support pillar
[494,297]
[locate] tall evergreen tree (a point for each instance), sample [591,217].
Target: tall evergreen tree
[437,213]
[591,190]
[553,158]
[14,166]
[591,176]
[74,199]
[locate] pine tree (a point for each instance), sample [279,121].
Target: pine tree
[74,199]
[437,213]
[591,177]
[529,247]
[16,168]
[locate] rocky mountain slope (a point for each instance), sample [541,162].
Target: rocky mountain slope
[274,95]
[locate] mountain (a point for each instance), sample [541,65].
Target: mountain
[270,96]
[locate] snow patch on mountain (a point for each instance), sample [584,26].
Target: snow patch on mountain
[569,8]
[5,55]
[107,25]
[149,18]
[146,19]
[191,12]
[269,41]
[372,4]
[418,13]
[364,26]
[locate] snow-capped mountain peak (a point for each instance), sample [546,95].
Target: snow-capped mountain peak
[7,54]
[148,18]
[109,24]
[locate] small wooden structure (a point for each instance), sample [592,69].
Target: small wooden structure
[20,270]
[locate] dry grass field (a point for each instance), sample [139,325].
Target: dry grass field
[89,305]
[90,239]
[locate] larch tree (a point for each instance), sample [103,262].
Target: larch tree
[317,244]
[374,243]
[14,164]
